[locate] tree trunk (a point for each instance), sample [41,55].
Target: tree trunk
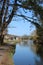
[1,39]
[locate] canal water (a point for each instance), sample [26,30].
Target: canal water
[28,53]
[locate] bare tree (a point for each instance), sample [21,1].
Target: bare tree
[6,15]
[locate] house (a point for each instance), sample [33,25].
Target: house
[11,37]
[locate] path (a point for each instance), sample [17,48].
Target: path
[5,59]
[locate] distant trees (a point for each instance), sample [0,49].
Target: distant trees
[9,8]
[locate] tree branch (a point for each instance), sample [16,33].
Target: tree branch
[26,18]
[22,6]
[6,11]
[5,24]
[1,14]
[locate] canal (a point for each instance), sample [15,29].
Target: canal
[28,53]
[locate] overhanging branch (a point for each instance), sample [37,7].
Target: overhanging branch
[29,20]
[22,6]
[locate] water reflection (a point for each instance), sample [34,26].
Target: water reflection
[26,43]
[12,49]
[39,53]
[28,53]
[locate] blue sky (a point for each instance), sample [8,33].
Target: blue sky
[19,26]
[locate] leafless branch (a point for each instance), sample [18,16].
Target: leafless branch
[29,20]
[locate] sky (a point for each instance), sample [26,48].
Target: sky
[19,26]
